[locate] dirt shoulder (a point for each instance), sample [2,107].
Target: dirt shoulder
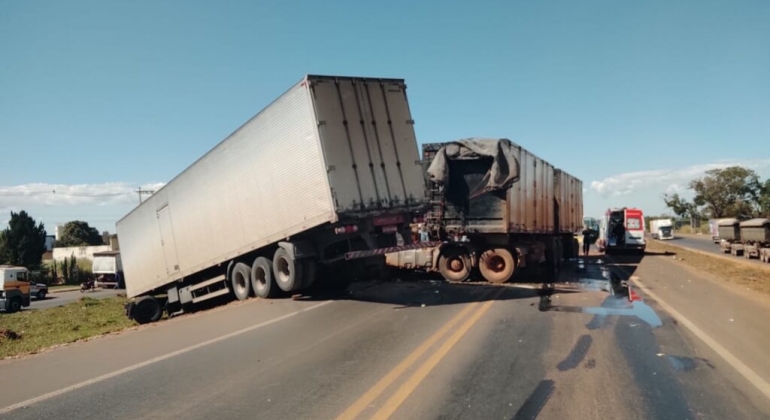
[738,272]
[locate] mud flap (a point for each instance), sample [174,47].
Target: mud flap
[129,309]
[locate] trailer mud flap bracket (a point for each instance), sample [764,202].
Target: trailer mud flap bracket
[299,249]
[382,251]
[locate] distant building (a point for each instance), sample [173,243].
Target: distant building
[50,241]
[87,252]
[79,252]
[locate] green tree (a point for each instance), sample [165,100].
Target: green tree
[23,242]
[680,206]
[728,192]
[78,233]
[764,200]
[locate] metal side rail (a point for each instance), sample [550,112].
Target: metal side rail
[382,251]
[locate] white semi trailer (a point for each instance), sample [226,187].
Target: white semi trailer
[329,167]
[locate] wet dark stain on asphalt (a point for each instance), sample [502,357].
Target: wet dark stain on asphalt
[687,364]
[578,353]
[620,307]
[598,322]
[536,401]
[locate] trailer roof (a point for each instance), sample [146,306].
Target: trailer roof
[758,222]
[303,81]
[727,222]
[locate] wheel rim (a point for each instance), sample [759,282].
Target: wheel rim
[259,275]
[240,282]
[456,265]
[283,270]
[496,263]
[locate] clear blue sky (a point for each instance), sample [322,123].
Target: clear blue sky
[132,92]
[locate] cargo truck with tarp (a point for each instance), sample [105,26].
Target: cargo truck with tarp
[329,167]
[495,207]
[755,236]
[730,236]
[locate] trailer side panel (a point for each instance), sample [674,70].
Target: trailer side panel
[264,182]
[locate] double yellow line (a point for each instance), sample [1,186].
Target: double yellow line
[406,389]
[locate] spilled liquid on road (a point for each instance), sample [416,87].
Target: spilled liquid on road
[622,300]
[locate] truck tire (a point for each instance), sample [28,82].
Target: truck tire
[13,305]
[497,265]
[455,265]
[146,309]
[41,295]
[287,271]
[262,280]
[240,281]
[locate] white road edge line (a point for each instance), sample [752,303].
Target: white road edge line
[744,370]
[155,360]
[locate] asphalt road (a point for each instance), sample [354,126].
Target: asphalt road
[694,242]
[706,245]
[62,298]
[428,350]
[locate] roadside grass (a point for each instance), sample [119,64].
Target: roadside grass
[736,272]
[704,229]
[30,331]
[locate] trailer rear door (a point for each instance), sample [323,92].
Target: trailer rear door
[368,140]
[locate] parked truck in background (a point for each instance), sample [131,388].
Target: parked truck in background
[622,229]
[755,237]
[495,207]
[108,269]
[714,230]
[730,234]
[328,168]
[662,229]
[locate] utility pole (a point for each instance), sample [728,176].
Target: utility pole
[140,191]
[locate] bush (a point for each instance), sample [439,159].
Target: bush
[75,271]
[704,229]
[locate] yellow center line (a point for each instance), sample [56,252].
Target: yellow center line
[363,402]
[417,377]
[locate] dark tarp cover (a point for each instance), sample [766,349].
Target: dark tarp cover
[503,172]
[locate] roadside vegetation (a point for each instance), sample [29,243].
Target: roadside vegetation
[734,191]
[31,331]
[689,230]
[737,272]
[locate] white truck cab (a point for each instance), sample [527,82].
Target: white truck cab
[14,288]
[662,229]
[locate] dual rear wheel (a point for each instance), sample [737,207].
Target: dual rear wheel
[496,265]
[266,278]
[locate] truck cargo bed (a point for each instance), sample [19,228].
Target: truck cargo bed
[538,199]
